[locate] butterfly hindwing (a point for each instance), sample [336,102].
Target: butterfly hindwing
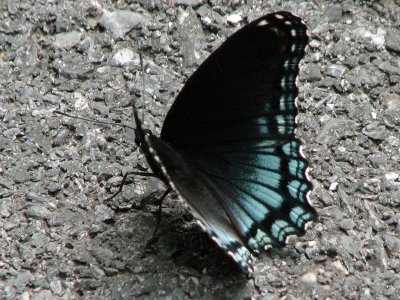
[209,211]
[266,191]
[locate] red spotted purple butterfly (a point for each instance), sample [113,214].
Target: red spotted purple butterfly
[228,144]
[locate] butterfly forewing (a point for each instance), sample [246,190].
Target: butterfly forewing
[228,145]
[249,79]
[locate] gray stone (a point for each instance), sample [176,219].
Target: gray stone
[312,73]
[104,213]
[9,225]
[19,175]
[393,40]
[38,212]
[375,132]
[73,70]
[125,56]
[43,295]
[347,224]
[57,287]
[378,160]
[61,138]
[392,244]
[309,279]
[325,196]
[209,17]
[39,240]
[97,271]
[391,102]
[193,3]
[373,39]
[67,40]
[335,129]
[390,67]
[119,22]
[333,13]
[11,133]
[22,280]
[234,19]
[191,36]
[84,257]
[35,198]
[336,70]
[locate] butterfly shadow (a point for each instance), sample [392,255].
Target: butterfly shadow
[181,241]
[178,240]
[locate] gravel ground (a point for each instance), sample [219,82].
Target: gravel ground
[58,237]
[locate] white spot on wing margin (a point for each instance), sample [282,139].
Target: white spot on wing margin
[263,23]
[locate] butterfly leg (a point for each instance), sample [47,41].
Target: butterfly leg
[145,174]
[160,200]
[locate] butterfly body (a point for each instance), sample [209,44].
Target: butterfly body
[228,146]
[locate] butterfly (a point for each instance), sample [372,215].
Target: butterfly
[228,146]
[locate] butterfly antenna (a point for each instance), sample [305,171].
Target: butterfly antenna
[139,132]
[58,112]
[143,83]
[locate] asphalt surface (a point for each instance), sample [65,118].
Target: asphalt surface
[59,239]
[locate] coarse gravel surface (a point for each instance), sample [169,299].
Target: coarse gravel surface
[60,239]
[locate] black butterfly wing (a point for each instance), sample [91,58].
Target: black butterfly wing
[233,126]
[250,77]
